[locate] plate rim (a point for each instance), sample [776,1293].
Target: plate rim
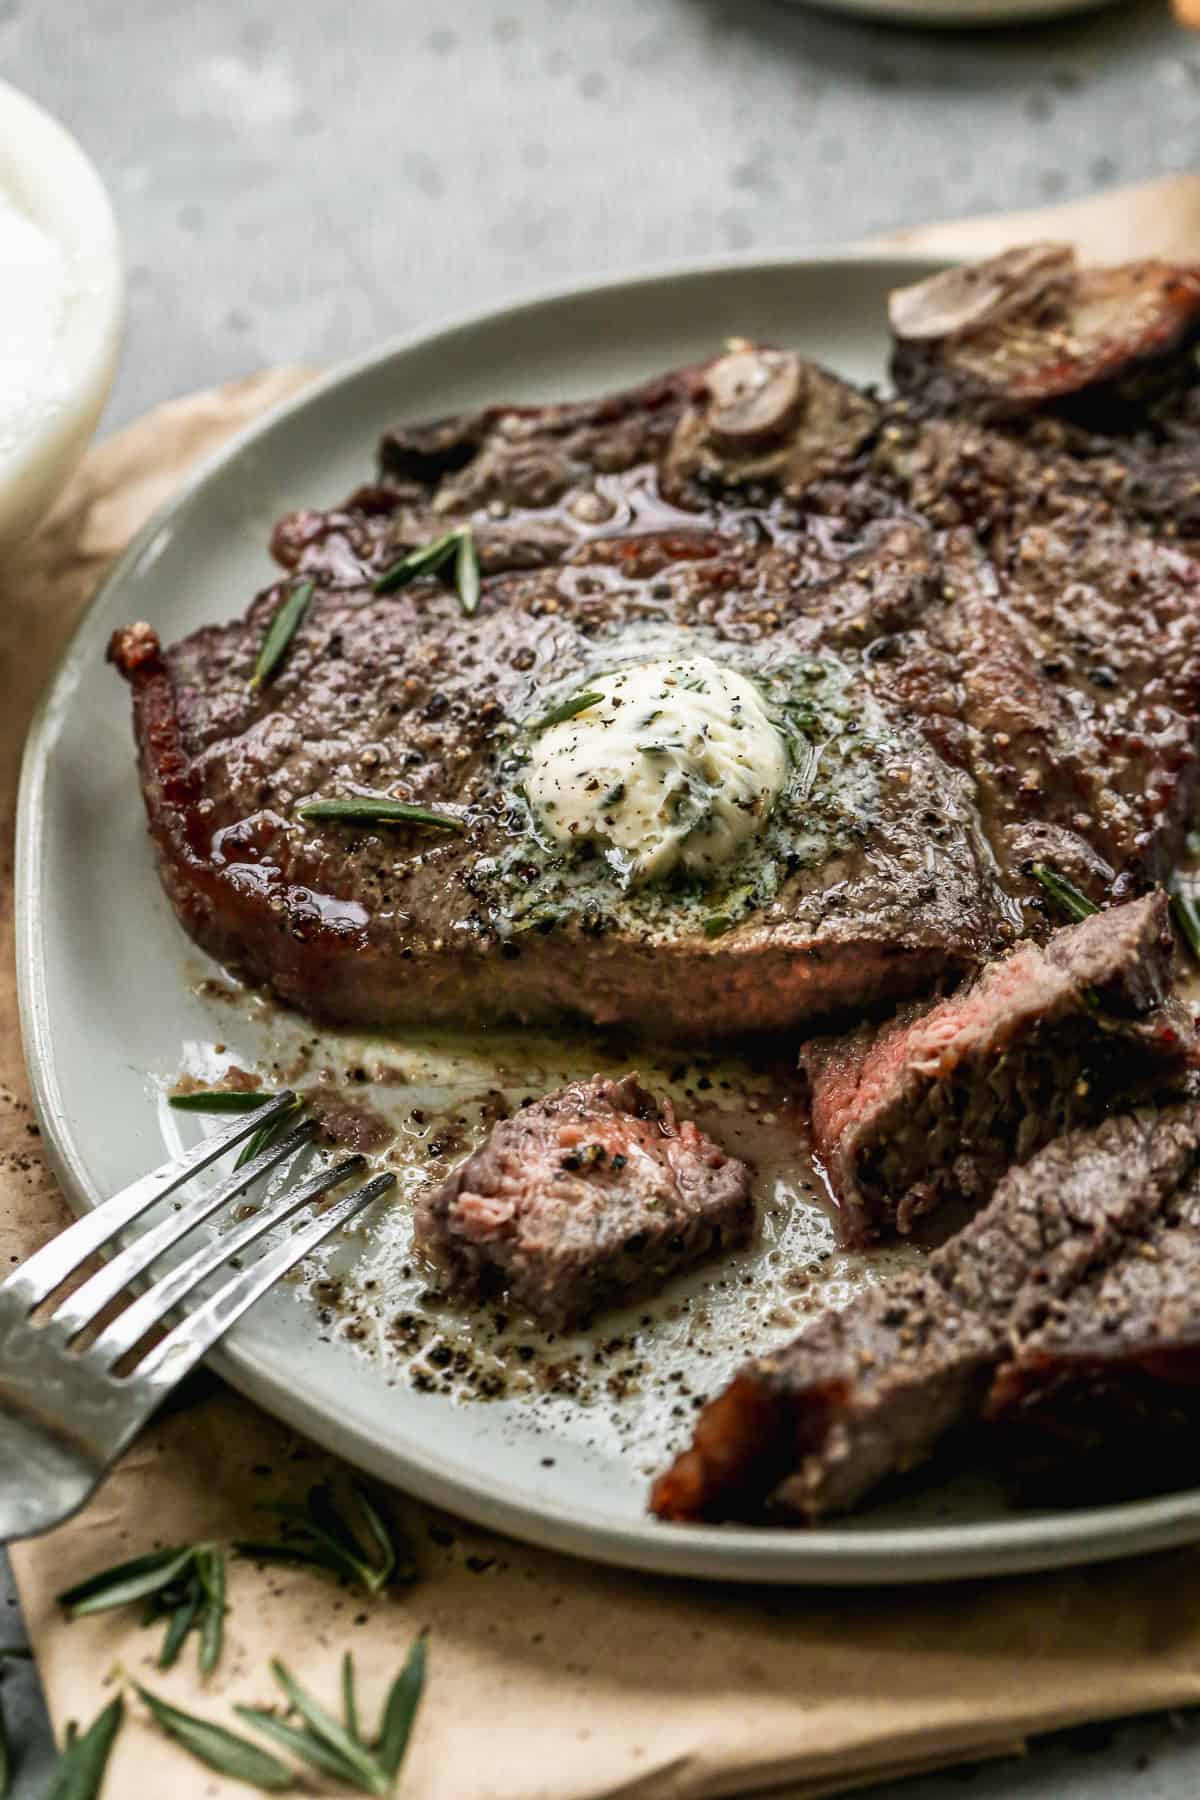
[822,1556]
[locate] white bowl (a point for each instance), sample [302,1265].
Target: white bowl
[51,400]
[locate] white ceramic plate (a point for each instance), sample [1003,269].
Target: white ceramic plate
[52,402]
[111,1011]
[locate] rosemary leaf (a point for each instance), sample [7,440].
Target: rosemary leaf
[182,1620]
[1065,895]
[126,1582]
[394,1554]
[349,1702]
[79,1771]
[210,1573]
[219,1749]
[378,809]
[218,1100]
[401,1709]
[558,715]
[331,1733]
[425,561]
[300,1743]
[266,1135]
[283,628]
[1186,915]
[466,572]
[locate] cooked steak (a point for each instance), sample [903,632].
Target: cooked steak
[1103,1401]
[871,1391]
[937,1104]
[948,721]
[1093,369]
[594,1195]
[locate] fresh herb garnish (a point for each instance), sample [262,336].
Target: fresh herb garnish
[361,809]
[1065,895]
[218,1100]
[321,1535]
[1186,915]
[433,557]
[336,1746]
[567,709]
[79,1771]
[186,1587]
[736,903]
[268,1134]
[217,1748]
[466,572]
[282,629]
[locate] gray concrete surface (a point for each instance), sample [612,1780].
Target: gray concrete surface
[296,183]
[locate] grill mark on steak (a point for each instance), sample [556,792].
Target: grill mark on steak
[589,1197]
[936,1105]
[871,1391]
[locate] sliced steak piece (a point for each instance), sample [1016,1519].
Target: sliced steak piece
[1103,1401]
[937,1104]
[871,1391]
[585,1199]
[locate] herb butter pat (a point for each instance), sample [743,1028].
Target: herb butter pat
[665,765]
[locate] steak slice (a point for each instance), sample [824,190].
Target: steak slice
[590,1197]
[1103,1401]
[936,1105]
[871,1391]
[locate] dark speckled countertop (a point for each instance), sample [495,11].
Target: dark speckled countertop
[295,184]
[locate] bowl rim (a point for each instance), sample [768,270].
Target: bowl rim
[50,179]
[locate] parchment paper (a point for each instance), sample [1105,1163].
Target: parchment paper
[550,1680]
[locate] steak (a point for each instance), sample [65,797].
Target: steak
[1103,1401]
[1093,369]
[965,690]
[594,1195]
[871,1391]
[937,1104]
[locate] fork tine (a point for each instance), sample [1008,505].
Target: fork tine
[58,1259]
[82,1306]
[182,1348]
[131,1327]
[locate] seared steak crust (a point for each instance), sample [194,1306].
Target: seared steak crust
[871,1391]
[590,1196]
[937,1104]
[963,714]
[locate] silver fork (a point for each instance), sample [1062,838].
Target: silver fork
[66,1414]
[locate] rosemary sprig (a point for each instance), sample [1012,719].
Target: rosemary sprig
[336,1746]
[186,1587]
[1186,915]
[79,1771]
[361,809]
[431,558]
[1065,895]
[218,1100]
[217,1748]
[283,627]
[567,710]
[320,1535]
